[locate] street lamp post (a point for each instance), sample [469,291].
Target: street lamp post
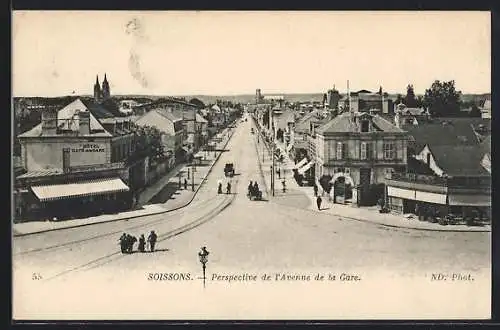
[203,255]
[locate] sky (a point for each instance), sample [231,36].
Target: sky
[229,53]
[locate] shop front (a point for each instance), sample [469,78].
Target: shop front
[79,199]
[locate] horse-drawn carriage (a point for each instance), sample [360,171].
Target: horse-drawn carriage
[229,170]
[254,194]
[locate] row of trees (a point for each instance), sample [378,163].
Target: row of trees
[442,99]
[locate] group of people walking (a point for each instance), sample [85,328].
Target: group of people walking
[219,187]
[127,242]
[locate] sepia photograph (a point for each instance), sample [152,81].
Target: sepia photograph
[251,165]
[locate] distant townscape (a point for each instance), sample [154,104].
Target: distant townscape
[407,153]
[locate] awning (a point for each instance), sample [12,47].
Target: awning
[401,193]
[431,197]
[470,200]
[300,164]
[303,169]
[80,189]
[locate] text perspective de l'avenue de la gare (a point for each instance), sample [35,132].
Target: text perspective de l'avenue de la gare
[254,277]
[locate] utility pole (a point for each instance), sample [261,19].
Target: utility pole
[193,169]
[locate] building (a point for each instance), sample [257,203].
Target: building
[181,109]
[171,128]
[404,116]
[364,101]
[127,106]
[304,139]
[486,109]
[354,152]
[457,182]
[201,131]
[104,93]
[76,161]
[332,98]
[258,96]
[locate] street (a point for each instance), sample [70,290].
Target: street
[242,236]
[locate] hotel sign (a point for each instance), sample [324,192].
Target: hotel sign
[88,148]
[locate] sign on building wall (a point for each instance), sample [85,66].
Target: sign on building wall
[89,148]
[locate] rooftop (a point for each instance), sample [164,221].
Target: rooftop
[67,119]
[459,160]
[343,123]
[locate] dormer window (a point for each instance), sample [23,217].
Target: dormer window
[365,126]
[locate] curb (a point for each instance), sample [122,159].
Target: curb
[402,227]
[134,216]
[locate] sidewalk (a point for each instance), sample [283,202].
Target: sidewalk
[371,214]
[160,192]
[293,194]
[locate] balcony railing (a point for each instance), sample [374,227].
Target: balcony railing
[418,178]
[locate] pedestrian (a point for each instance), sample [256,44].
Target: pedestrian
[279,173]
[123,242]
[315,190]
[318,202]
[228,188]
[152,240]
[284,185]
[255,187]
[219,188]
[250,188]
[142,243]
[185,184]
[130,243]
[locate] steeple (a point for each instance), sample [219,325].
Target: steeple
[97,89]
[106,93]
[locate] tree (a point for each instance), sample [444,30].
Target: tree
[475,112]
[324,98]
[197,102]
[443,99]
[399,99]
[380,91]
[419,102]
[410,100]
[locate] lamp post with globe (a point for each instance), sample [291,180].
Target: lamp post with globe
[203,255]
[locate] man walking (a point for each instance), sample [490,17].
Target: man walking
[318,202]
[152,240]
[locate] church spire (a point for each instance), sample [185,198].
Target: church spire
[106,93]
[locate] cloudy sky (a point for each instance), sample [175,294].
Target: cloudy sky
[221,53]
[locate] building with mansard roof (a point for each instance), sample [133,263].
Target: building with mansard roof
[356,150]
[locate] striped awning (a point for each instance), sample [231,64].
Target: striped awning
[303,169]
[300,164]
[80,189]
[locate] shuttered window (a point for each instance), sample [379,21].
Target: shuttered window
[363,152]
[389,150]
[339,150]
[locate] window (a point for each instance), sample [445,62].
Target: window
[389,152]
[388,173]
[363,150]
[428,159]
[365,125]
[339,150]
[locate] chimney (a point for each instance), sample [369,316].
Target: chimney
[84,122]
[49,121]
